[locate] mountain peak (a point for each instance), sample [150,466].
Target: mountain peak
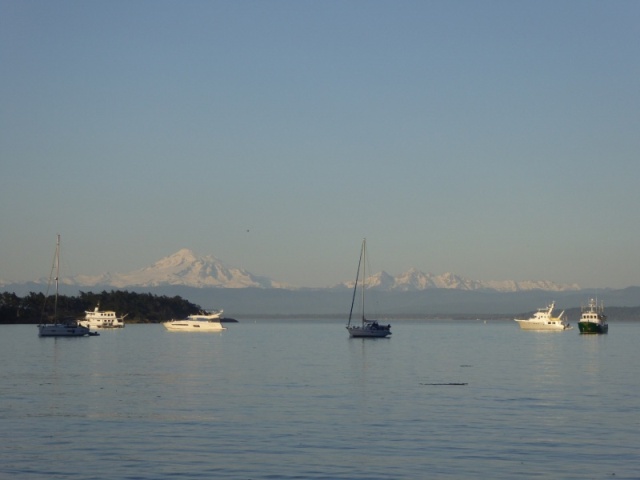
[184,253]
[184,268]
[181,257]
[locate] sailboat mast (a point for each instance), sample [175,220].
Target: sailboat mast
[55,303]
[355,288]
[364,273]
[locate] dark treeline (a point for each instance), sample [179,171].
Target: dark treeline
[138,307]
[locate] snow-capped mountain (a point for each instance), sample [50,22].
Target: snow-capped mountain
[182,268]
[415,280]
[185,268]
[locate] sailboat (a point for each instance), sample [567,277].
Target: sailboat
[60,329]
[367,328]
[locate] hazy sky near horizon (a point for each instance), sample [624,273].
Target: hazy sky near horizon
[492,139]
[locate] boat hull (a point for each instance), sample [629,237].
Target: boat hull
[62,330]
[593,328]
[543,326]
[100,324]
[193,326]
[368,332]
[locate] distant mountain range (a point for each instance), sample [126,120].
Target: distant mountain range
[414,280]
[184,268]
[209,283]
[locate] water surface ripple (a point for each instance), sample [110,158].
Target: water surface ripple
[300,400]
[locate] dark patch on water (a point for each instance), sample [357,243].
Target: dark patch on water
[450,383]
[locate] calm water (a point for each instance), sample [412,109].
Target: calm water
[302,400]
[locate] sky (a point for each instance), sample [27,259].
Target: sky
[496,140]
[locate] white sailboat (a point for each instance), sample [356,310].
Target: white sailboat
[60,329]
[367,328]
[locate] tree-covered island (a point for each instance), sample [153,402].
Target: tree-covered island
[138,307]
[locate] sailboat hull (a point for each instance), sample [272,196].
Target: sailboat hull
[62,330]
[369,331]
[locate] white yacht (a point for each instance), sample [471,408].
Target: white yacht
[102,319]
[543,319]
[202,322]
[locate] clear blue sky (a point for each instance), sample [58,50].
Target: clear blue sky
[492,139]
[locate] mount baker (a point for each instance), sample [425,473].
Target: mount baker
[185,268]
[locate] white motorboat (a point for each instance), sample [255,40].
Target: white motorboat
[367,328]
[102,319]
[543,319]
[57,328]
[202,322]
